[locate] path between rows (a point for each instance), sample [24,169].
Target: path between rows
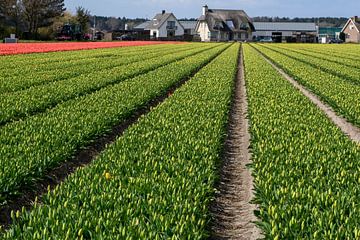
[232,212]
[346,127]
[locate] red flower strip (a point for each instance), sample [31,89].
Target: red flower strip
[23,48]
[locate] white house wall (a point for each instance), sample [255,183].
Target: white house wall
[154,31]
[203,31]
[163,29]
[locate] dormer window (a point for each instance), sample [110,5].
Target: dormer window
[230,23]
[244,26]
[218,25]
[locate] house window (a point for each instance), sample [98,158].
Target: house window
[209,34]
[230,23]
[218,25]
[244,26]
[171,24]
[171,33]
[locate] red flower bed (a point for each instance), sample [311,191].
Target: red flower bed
[22,48]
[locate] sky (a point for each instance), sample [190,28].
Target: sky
[192,8]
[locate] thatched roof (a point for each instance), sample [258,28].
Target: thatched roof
[227,20]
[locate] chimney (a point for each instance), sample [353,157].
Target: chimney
[205,10]
[163,12]
[356,19]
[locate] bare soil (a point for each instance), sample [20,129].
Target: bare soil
[232,210]
[346,127]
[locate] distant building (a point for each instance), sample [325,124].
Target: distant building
[165,26]
[189,27]
[286,31]
[352,30]
[99,35]
[142,26]
[224,25]
[328,33]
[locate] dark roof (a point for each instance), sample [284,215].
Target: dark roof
[356,21]
[142,25]
[217,19]
[158,20]
[285,26]
[188,24]
[357,24]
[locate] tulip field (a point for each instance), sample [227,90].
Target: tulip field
[23,48]
[307,172]
[158,179]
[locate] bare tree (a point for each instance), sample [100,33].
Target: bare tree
[113,24]
[41,13]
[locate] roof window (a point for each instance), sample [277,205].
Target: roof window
[230,23]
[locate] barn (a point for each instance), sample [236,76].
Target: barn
[300,32]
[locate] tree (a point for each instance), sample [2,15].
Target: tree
[9,16]
[113,24]
[41,13]
[83,18]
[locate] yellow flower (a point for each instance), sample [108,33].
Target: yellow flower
[107,176]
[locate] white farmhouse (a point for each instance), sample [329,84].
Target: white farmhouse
[165,25]
[224,25]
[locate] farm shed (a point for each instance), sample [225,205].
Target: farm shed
[224,25]
[328,33]
[286,31]
[189,27]
[352,30]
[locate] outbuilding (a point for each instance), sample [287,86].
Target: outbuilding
[300,32]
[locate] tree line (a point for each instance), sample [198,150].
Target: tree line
[43,19]
[38,19]
[18,16]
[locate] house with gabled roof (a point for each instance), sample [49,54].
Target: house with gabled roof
[165,26]
[352,30]
[224,25]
